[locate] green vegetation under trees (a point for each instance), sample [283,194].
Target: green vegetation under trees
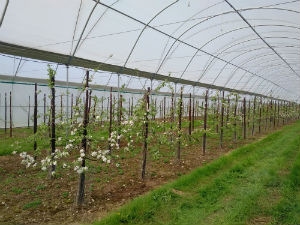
[256,183]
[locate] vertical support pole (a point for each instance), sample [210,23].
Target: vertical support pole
[204,125]
[253,116]
[72,97]
[28,117]
[193,114]
[172,110]
[235,119]
[244,118]
[249,113]
[110,121]
[52,84]
[146,126]
[164,109]
[80,197]
[222,121]
[67,109]
[131,106]
[89,105]
[260,112]
[61,109]
[120,118]
[217,116]
[179,126]
[190,115]
[5,113]
[44,108]
[274,114]
[35,117]
[227,111]
[10,114]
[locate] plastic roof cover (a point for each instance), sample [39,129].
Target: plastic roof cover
[247,45]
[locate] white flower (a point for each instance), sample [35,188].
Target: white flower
[81,151]
[64,165]
[94,154]
[59,139]
[118,165]
[44,168]
[53,173]
[79,171]
[76,168]
[82,154]
[79,159]
[14,152]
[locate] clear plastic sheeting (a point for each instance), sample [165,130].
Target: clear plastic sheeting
[242,45]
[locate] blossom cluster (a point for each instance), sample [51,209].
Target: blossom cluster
[27,160]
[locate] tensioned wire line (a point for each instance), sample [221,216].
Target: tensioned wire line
[252,28]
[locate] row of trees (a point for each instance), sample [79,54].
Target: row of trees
[126,128]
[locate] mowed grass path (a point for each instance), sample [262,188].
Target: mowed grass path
[255,184]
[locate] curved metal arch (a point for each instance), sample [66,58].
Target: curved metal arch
[223,34]
[212,17]
[252,50]
[246,61]
[262,39]
[233,59]
[140,34]
[250,60]
[208,65]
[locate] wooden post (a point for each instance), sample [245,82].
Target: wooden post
[71,108]
[44,108]
[110,121]
[35,118]
[28,117]
[120,119]
[172,110]
[5,113]
[274,114]
[61,108]
[146,124]
[235,120]
[89,105]
[260,111]
[52,84]
[217,116]
[10,114]
[190,115]
[193,114]
[164,108]
[94,108]
[253,116]
[204,125]
[179,126]
[249,113]
[244,118]
[227,111]
[131,106]
[80,197]
[222,121]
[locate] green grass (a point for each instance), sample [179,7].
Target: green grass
[31,205]
[258,182]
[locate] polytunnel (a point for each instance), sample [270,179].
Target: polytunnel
[194,72]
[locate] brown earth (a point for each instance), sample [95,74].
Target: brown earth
[27,196]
